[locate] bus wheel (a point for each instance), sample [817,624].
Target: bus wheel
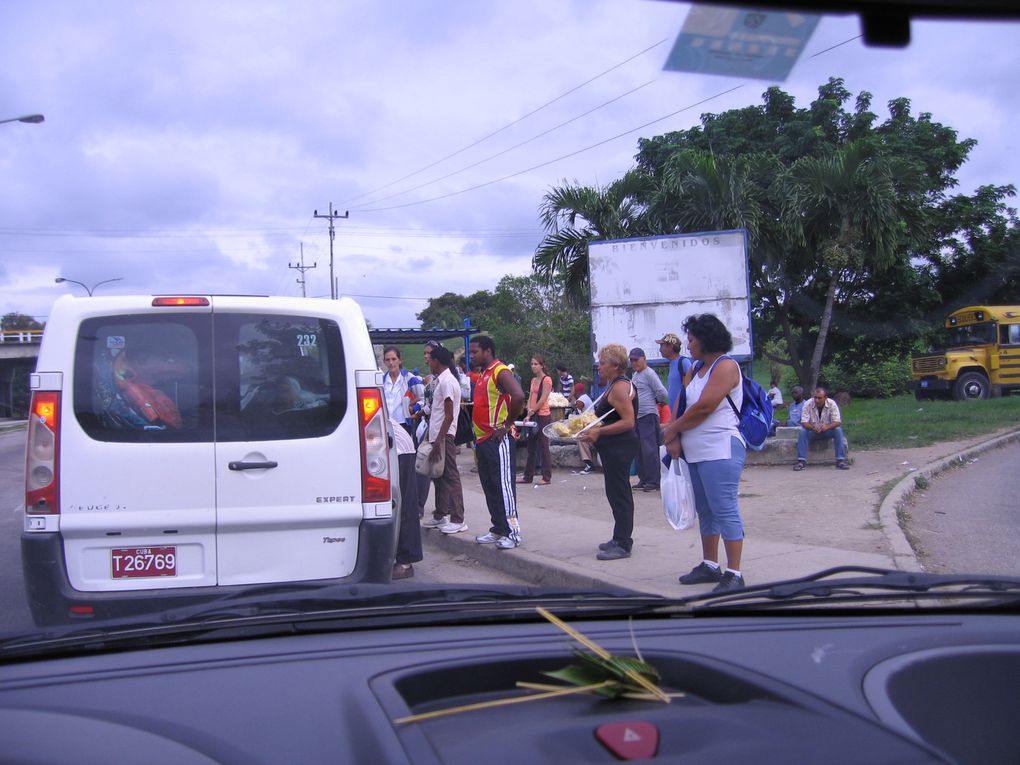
[971,386]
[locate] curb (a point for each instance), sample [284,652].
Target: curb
[904,556]
[534,569]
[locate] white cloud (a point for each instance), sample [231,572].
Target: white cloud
[187,143]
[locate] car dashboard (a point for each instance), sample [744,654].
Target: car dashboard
[774,688]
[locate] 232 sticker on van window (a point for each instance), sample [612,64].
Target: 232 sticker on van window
[307,341]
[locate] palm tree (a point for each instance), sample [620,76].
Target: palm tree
[847,208]
[574,215]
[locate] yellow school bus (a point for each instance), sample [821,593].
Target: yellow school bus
[981,356]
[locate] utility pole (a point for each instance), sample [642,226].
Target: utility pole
[302,268]
[334,293]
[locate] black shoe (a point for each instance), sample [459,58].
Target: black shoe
[649,487]
[587,469]
[842,465]
[606,545]
[729,581]
[613,552]
[637,486]
[702,574]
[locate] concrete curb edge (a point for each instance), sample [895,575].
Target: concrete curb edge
[904,556]
[534,569]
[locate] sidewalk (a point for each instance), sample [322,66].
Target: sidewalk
[795,523]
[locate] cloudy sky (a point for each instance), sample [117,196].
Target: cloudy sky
[187,144]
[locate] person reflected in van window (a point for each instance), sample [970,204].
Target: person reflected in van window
[291,396]
[403,390]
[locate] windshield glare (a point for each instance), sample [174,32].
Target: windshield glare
[565,234]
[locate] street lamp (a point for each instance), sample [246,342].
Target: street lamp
[61,279]
[33,119]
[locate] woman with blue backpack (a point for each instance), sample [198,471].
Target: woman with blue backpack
[707,433]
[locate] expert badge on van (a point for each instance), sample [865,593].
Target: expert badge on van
[183,447]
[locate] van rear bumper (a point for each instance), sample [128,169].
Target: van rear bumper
[51,597]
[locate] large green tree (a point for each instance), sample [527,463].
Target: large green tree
[842,214]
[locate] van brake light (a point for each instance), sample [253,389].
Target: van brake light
[43,454]
[179,301]
[375,458]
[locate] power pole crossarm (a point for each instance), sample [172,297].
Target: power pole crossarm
[331,217]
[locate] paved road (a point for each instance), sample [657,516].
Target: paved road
[13,610]
[968,520]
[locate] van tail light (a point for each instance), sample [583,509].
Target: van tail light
[43,454]
[375,453]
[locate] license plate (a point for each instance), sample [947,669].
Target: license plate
[924,383]
[132,562]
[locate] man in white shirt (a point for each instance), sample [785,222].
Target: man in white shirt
[442,431]
[821,420]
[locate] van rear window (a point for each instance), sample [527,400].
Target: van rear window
[278,377]
[232,377]
[143,378]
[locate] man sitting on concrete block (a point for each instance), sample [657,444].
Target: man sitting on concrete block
[821,420]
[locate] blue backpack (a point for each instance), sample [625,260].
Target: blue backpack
[754,418]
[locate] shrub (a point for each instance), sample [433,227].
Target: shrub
[877,379]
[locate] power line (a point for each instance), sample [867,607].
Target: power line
[517,145]
[579,151]
[508,125]
[556,159]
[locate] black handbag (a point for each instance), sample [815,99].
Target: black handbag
[465,429]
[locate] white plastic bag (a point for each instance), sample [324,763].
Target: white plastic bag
[677,494]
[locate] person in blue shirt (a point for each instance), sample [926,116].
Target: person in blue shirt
[796,407]
[679,366]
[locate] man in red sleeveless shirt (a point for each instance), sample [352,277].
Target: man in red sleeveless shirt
[497,402]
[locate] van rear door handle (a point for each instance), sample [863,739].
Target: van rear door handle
[251,465]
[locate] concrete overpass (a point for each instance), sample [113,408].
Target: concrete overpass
[19,348]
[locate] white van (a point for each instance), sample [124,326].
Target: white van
[179,445]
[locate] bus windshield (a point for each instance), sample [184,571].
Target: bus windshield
[972,334]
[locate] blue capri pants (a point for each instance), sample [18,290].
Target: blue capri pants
[716,484]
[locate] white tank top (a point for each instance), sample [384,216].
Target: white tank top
[711,439]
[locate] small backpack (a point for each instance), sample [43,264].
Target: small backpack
[754,418]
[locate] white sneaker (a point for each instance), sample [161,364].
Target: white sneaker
[505,543]
[488,539]
[453,528]
[435,523]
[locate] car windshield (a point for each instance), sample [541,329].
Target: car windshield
[579,247]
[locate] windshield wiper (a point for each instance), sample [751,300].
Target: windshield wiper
[305,607]
[861,584]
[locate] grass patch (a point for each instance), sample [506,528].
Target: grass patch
[902,422]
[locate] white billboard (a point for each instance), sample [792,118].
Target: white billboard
[643,288]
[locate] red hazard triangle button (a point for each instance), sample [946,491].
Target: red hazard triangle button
[633,740]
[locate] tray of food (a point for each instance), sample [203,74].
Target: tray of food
[571,428]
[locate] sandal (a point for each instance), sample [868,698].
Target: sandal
[799,466]
[543,483]
[402,571]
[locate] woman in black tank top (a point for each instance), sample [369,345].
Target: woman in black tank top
[617,446]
